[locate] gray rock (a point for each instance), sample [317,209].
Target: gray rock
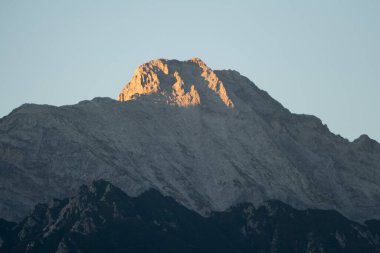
[227,148]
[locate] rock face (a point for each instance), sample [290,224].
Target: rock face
[210,139]
[155,77]
[102,218]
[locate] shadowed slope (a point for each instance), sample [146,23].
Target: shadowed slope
[102,218]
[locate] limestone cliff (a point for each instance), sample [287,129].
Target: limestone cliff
[156,77]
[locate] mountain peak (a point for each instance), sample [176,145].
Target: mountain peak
[198,61]
[364,142]
[181,83]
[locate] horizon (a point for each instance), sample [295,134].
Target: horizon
[317,59]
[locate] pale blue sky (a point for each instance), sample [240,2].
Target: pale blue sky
[315,57]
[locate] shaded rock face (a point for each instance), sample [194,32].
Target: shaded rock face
[102,218]
[223,142]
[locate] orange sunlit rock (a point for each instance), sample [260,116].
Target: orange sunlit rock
[160,77]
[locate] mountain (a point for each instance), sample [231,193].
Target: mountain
[102,218]
[209,139]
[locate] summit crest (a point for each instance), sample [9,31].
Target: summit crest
[181,83]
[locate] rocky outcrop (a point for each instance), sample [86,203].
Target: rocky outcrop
[155,77]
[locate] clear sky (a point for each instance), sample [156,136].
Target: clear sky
[315,57]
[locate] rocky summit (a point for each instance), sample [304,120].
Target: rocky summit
[183,84]
[208,138]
